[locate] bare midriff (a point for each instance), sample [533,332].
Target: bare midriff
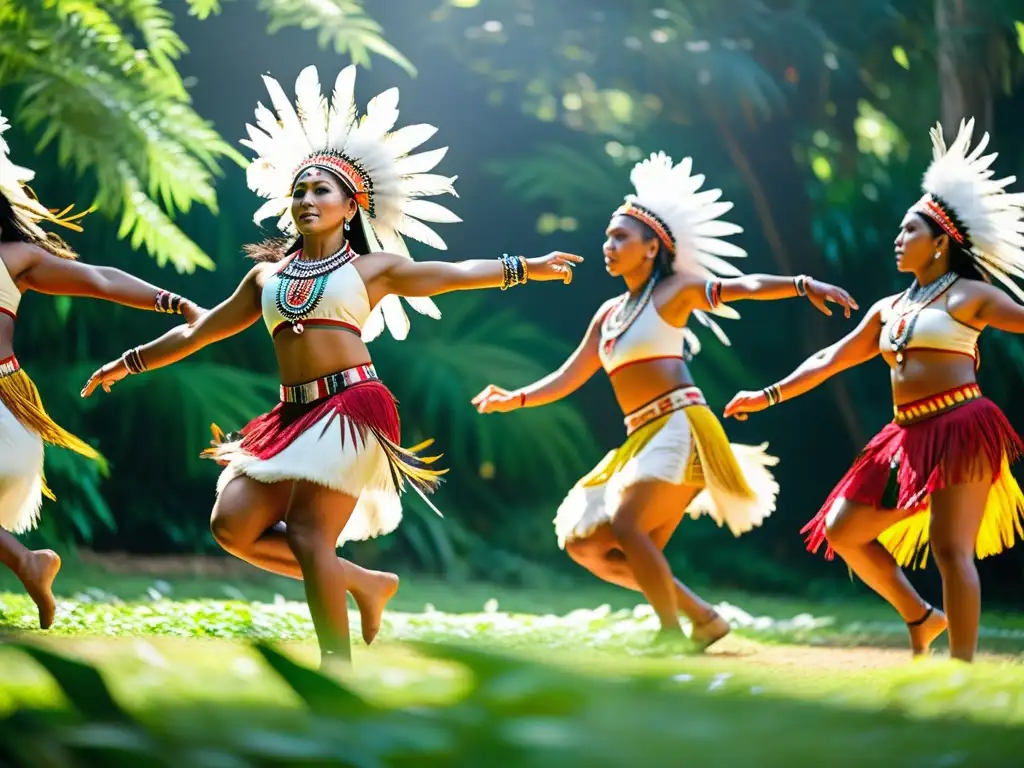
[6,336]
[927,372]
[637,384]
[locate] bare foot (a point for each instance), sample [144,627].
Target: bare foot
[371,597]
[923,635]
[710,632]
[335,663]
[37,573]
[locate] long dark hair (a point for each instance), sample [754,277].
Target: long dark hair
[273,249]
[960,260]
[13,231]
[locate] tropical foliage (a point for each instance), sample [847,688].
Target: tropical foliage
[97,80]
[810,116]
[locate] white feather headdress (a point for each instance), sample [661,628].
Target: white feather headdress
[374,161]
[668,200]
[14,181]
[974,209]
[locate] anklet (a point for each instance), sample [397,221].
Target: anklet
[923,619]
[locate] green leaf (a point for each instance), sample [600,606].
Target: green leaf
[80,683]
[321,694]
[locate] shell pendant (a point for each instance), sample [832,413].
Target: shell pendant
[298,327]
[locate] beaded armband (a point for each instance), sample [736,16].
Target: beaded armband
[168,303]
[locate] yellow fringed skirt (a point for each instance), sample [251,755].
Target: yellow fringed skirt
[24,428]
[678,440]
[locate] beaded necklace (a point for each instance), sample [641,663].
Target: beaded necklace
[618,320]
[301,284]
[909,307]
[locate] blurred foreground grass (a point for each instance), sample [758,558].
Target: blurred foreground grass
[571,686]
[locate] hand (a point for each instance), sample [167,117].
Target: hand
[105,377]
[496,400]
[819,293]
[191,312]
[744,403]
[555,266]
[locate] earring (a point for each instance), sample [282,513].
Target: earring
[348,226]
[937,256]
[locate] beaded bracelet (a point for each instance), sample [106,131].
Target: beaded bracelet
[713,293]
[132,360]
[513,271]
[168,303]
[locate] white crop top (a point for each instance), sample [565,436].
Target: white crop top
[935,329]
[648,338]
[10,296]
[342,302]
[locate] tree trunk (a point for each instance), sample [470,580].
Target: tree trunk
[964,64]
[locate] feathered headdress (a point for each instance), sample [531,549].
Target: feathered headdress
[686,220]
[372,159]
[14,181]
[974,209]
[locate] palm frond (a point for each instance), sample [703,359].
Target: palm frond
[203,9]
[341,24]
[117,114]
[573,179]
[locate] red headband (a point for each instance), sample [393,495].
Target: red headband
[350,173]
[928,207]
[638,213]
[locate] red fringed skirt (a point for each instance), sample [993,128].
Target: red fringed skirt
[348,441]
[946,440]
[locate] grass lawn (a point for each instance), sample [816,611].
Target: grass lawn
[575,679]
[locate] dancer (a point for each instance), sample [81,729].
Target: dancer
[938,475]
[33,260]
[327,458]
[664,243]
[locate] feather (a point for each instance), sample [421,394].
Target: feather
[428,211]
[425,306]
[406,139]
[420,163]
[311,107]
[284,136]
[417,230]
[374,325]
[395,318]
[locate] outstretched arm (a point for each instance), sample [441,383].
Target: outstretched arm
[695,292]
[985,305]
[231,316]
[405,277]
[46,273]
[574,373]
[857,347]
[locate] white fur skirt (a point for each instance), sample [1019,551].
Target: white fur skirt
[347,442]
[21,474]
[684,447]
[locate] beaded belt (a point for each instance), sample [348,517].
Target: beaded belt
[9,366]
[675,400]
[930,406]
[331,384]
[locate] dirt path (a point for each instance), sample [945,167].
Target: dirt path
[745,652]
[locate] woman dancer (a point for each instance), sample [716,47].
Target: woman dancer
[327,458]
[662,242]
[32,260]
[938,475]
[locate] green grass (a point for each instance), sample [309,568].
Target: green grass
[777,692]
